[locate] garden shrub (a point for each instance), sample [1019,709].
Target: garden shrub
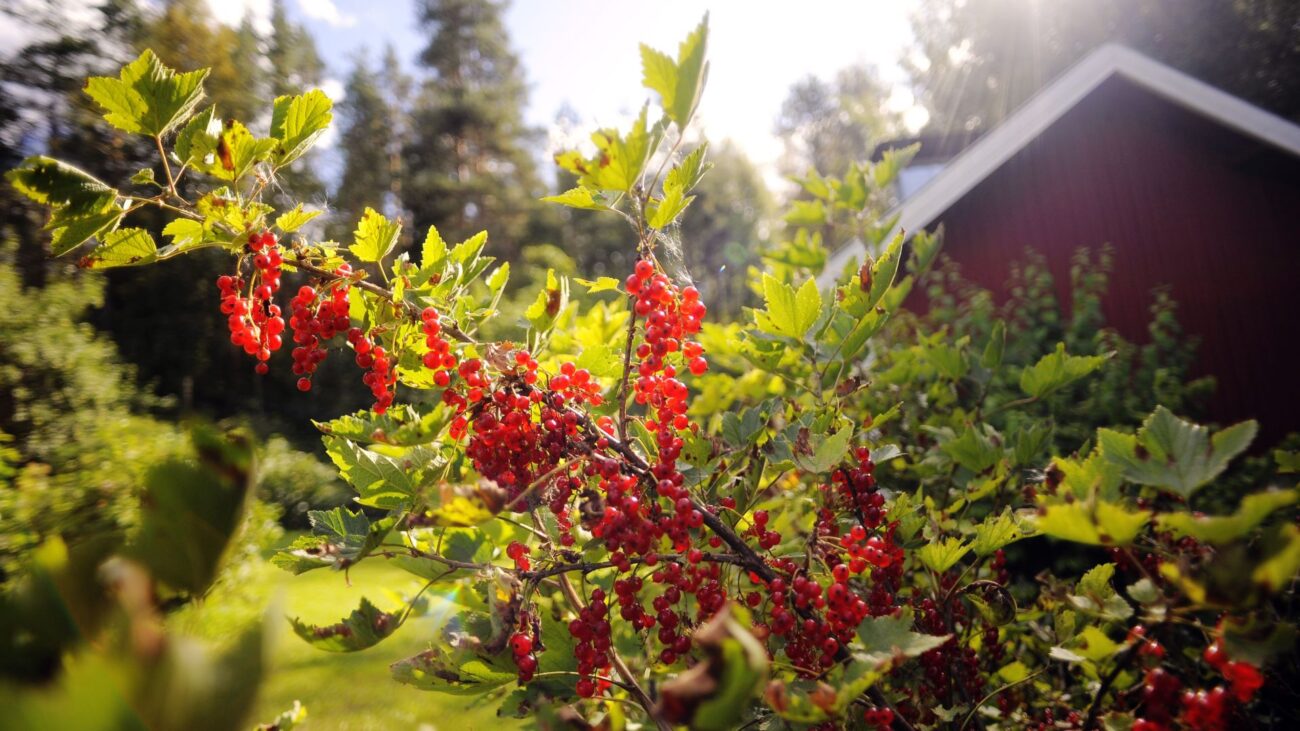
[636,513]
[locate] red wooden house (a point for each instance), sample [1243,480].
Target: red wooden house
[1193,188]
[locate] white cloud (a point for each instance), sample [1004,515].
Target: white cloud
[232,12]
[327,12]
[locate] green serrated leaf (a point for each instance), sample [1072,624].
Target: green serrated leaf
[382,481]
[973,450]
[1287,462]
[1220,530]
[579,197]
[807,305]
[1108,524]
[124,247]
[465,506]
[297,122]
[666,210]
[196,143]
[456,672]
[997,531]
[828,453]
[602,284]
[364,628]
[686,175]
[1057,370]
[185,234]
[942,554]
[83,206]
[806,214]
[295,219]
[678,83]
[433,251]
[887,638]
[1173,454]
[147,97]
[992,357]
[496,281]
[376,236]
[237,151]
[1093,644]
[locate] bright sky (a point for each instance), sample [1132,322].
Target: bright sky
[583,53]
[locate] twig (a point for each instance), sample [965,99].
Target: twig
[588,567]
[627,372]
[994,693]
[1121,663]
[448,327]
[167,166]
[642,698]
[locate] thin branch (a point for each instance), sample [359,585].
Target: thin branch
[993,694]
[588,567]
[627,372]
[167,166]
[624,672]
[448,326]
[1121,664]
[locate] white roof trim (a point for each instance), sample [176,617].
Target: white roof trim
[1051,103]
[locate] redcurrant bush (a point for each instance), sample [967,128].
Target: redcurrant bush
[629,505]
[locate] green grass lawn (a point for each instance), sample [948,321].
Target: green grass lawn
[350,691]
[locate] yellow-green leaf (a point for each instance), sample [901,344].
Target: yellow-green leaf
[124,247]
[601,284]
[293,220]
[297,122]
[942,554]
[376,236]
[579,197]
[1109,524]
[147,97]
[1057,370]
[364,628]
[467,506]
[1221,529]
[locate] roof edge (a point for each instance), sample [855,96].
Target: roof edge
[1053,101]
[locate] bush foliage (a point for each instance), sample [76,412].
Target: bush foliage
[827,513]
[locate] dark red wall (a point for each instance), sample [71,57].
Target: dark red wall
[1184,202]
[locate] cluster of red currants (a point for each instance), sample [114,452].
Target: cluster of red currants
[315,318]
[521,647]
[509,447]
[381,371]
[592,631]
[439,357]
[670,318]
[255,322]
[1198,710]
[881,718]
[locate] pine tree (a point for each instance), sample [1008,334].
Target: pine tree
[468,168]
[295,61]
[186,36]
[42,105]
[366,120]
[295,64]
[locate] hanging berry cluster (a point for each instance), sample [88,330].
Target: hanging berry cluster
[315,318]
[255,322]
[381,372]
[1164,709]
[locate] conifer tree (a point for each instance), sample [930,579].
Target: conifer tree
[467,163]
[366,117]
